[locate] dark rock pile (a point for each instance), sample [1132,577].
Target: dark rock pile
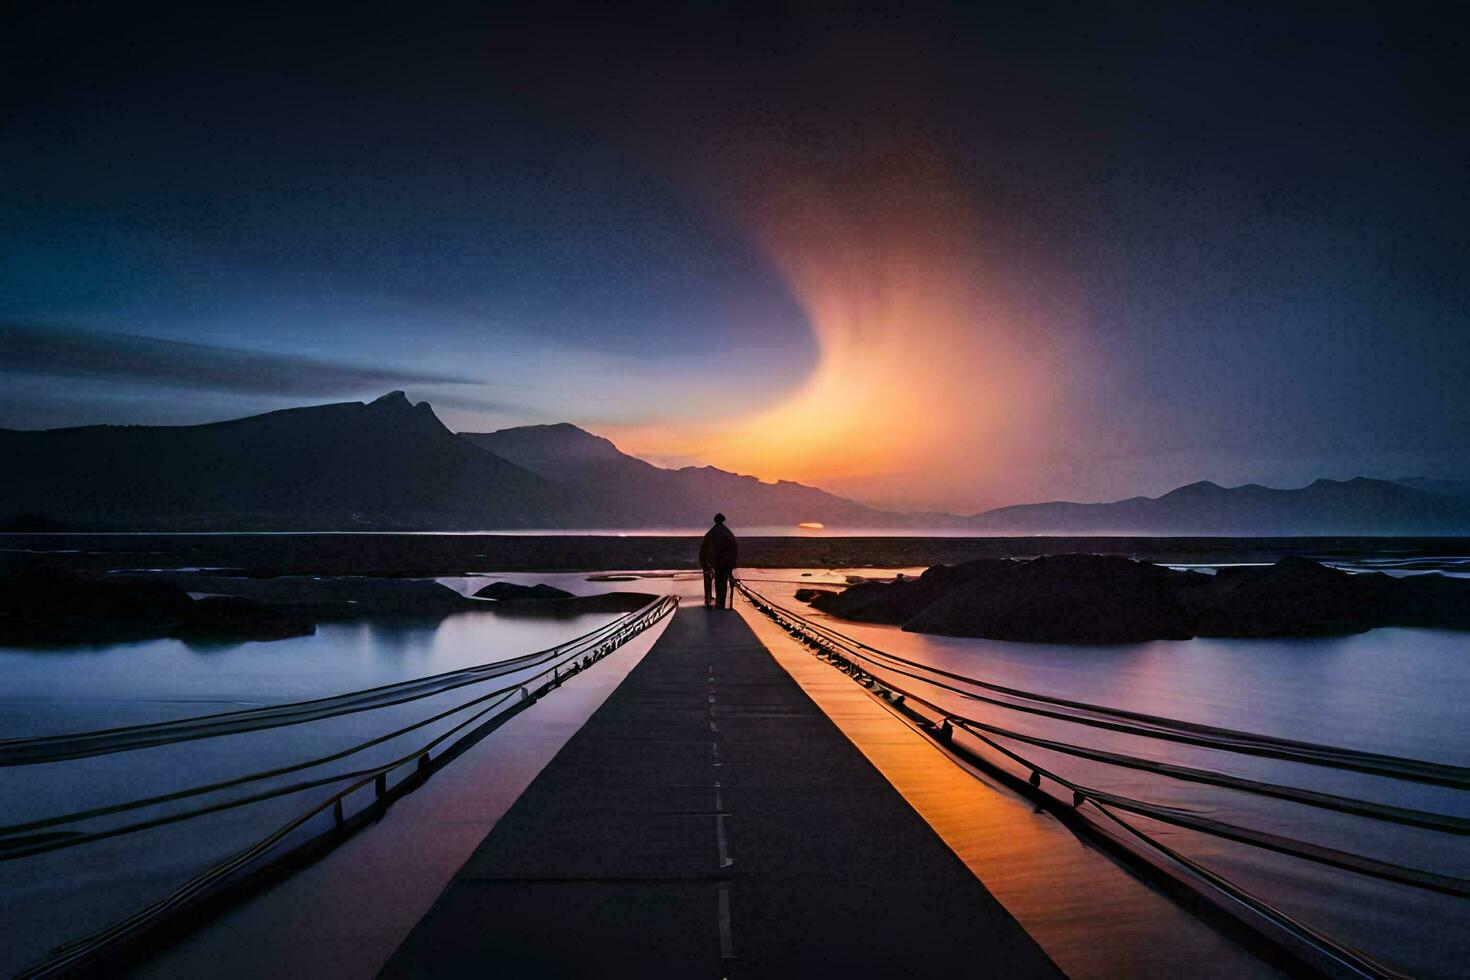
[504,591]
[44,603]
[1112,599]
[40,605]
[229,618]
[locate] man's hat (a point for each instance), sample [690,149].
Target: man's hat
[719,518]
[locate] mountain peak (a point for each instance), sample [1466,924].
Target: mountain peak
[617,490]
[559,430]
[394,409]
[559,450]
[560,436]
[394,399]
[1360,482]
[1193,490]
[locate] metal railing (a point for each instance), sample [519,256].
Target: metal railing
[875,670]
[552,667]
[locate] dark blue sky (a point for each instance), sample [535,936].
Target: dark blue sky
[1147,246]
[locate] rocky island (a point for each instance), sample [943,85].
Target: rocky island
[45,603]
[1112,599]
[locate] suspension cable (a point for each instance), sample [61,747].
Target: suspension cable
[81,745]
[1152,726]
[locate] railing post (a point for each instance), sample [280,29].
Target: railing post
[380,785]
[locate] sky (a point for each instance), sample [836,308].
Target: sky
[938,257]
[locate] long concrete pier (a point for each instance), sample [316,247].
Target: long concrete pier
[710,820]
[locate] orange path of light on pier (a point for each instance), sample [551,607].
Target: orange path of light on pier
[1091,916]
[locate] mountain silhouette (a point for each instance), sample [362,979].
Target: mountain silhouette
[390,464]
[607,488]
[1326,507]
[387,463]
[1453,488]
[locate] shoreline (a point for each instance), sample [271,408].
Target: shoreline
[427,554]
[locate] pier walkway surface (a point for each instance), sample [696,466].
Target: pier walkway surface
[710,820]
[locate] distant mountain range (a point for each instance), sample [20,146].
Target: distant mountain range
[1326,507]
[386,464]
[1455,488]
[390,464]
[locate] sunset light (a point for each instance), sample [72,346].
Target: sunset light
[734,491]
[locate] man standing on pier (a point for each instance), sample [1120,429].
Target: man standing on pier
[717,553]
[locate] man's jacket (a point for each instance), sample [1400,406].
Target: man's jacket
[718,550]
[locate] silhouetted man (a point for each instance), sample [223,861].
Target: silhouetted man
[717,553]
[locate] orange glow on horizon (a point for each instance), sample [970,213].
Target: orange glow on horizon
[929,378]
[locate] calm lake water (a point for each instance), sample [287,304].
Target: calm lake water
[1401,692]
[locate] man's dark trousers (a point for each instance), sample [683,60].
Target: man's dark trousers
[722,587]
